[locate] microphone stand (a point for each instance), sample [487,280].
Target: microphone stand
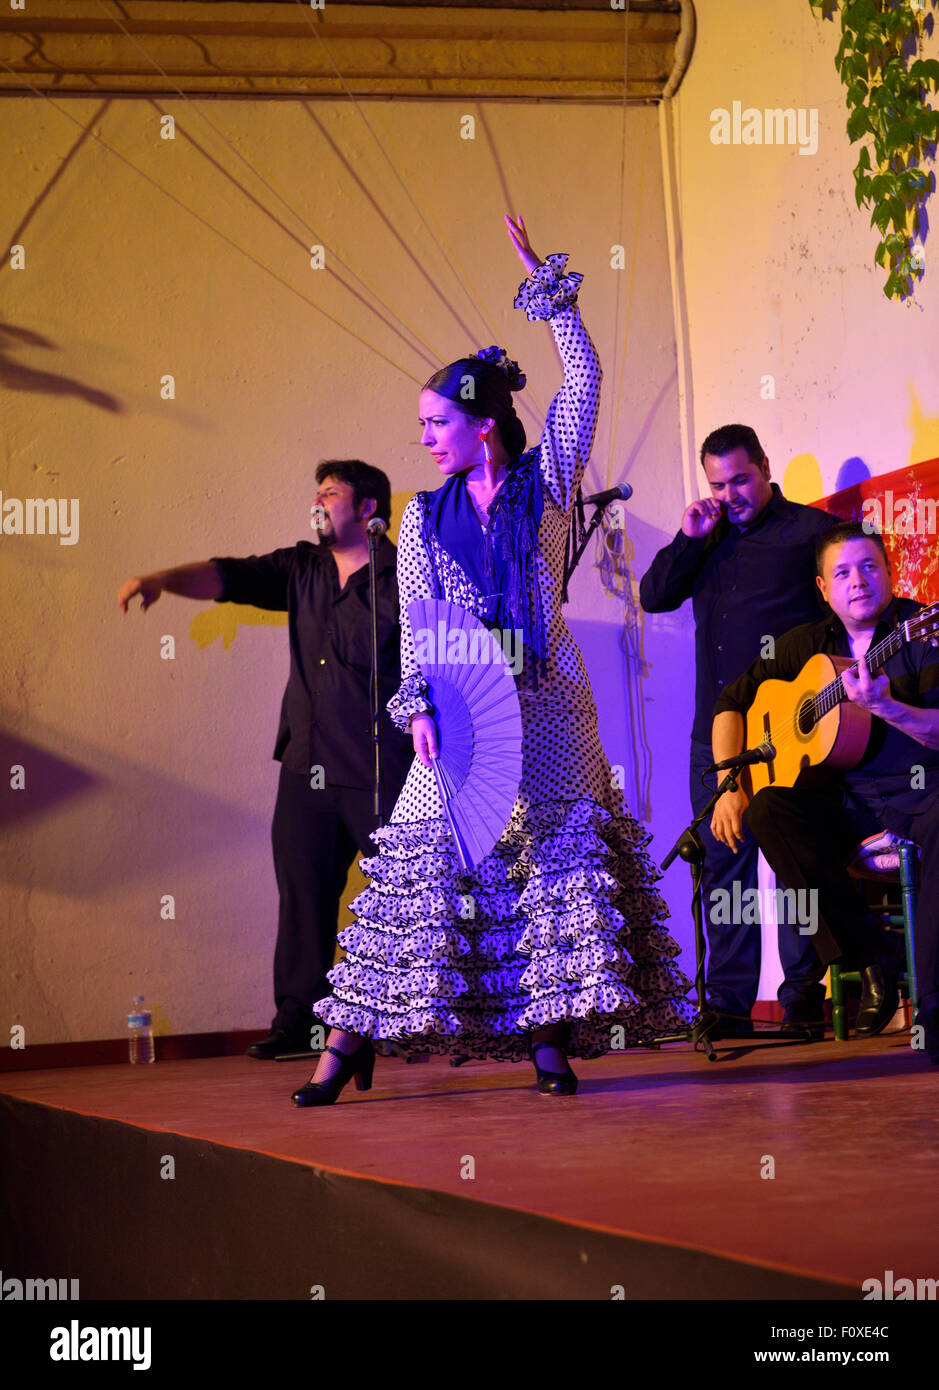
[690,847]
[373,687]
[383,1046]
[574,559]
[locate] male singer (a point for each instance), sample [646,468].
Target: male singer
[324,810]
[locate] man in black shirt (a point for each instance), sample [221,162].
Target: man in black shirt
[745,556]
[809,832]
[324,810]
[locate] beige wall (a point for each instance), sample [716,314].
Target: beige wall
[147,776]
[778,261]
[780,281]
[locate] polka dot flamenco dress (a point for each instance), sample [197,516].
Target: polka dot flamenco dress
[561,921]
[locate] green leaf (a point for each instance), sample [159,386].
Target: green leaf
[925,70]
[880,217]
[926,124]
[864,159]
[896,208]
[899,135]
[858,124]
[858,12]
[899,24]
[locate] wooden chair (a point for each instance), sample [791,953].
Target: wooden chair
[882,858]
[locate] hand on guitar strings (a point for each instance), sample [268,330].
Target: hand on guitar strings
[870,692]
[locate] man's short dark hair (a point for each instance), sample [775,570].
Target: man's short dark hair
[847,531]
[364,480]
[730,437]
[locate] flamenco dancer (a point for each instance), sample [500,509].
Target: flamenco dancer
[566,941]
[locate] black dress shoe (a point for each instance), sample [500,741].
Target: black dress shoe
[358,1064]
[928,1020]
[802,1020]
[279,1043]
[880,996]
[553,1083]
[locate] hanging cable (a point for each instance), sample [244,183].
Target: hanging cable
[268,185]
[461,274]
[206,223]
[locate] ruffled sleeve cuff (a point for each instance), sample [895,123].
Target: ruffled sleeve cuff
[411,699]
[547,289]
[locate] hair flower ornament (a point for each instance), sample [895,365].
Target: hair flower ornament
[498,357]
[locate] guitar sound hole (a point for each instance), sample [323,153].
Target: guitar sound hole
[804,718]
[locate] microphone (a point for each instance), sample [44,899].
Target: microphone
[764,754]
[621,493]
[377,527]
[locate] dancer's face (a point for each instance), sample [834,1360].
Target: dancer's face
[452,437]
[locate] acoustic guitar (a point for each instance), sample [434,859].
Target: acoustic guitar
[810,721]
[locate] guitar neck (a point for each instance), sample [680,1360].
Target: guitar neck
[834,692]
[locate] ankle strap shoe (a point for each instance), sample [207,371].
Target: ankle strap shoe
[358,1064]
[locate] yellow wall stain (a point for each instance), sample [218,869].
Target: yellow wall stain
[802,480]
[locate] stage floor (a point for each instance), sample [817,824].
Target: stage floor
[663,1145]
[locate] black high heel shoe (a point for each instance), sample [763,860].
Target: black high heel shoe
[554,1083]
[358,1064]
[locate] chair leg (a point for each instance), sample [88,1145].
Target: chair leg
[908,893]
[838,1020]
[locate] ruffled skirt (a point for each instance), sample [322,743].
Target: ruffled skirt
[560,923]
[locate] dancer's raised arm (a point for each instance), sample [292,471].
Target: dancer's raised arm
[571,423]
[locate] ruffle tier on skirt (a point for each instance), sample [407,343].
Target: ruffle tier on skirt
[561,922]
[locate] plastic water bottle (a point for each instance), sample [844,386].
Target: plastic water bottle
[141,1032]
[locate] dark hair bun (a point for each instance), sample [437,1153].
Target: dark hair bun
[498,357]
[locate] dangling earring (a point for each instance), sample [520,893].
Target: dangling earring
[482,440]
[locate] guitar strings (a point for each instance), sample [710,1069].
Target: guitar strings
[905,632]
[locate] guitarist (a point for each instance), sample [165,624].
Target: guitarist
[745,557]
[809,832]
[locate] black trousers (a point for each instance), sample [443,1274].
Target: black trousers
[735,948]
[809,834]
[315,836]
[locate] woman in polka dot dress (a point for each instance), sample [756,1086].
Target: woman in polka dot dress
[564,952]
